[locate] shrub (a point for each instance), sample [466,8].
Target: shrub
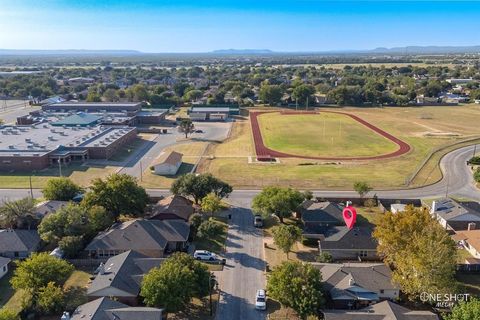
[476,175]
[324,257]
[71,245]
[209,228]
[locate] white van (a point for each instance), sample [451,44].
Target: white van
[261,300]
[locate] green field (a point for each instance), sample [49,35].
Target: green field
[321,135]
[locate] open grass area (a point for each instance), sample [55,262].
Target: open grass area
[198,309]
[424,128]
[191,154]
[81,174]
[470,282]
[6,291]
[321,135]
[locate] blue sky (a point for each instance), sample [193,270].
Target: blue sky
[205,25]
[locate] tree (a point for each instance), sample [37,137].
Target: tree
[302,93]
[199,186]
[186,126]
[362,188]
[7,314]
[211,203]
[421,252]
[99,218]
[111,95]
[298,286]
[34,276]
[285,236]
[476,175]
[193,95]
[195,222]
[278,201]
[325,257]
[18,213]
[118,194]
[271,94]
[71,245]
[50,299]
[175,283]
[467,310]
[70,220]
[92,96]
[209,228]
[61,189]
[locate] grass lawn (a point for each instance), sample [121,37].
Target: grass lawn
[78,173]
[325,134]
[424,128]
[198,309]
[128,149]
[6,291]
[217,243]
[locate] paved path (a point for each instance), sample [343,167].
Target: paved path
[244,270]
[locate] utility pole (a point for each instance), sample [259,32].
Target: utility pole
[474,149]
[141,171]
[448,182]
[296,104]
[31,189]
[60,166]
[306,106]
[210,292]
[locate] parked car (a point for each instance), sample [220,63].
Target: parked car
[204,255]
[199,131]
[258,221]
[261,300]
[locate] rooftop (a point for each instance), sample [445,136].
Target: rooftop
[170,157]
[18,240]
[106,309]
[78,119]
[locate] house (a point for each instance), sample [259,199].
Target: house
[173,207]
[168,163]
[455,216]
[152,238]
[349,244]
[18,243]
[47,207]
[357,285]
[385,310]
[470,240]
[4,266]
[317,217]
[121,276]
[107,309]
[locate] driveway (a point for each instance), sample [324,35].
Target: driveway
[244,271]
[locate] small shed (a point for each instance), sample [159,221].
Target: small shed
[168,163]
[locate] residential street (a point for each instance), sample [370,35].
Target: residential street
[244,271]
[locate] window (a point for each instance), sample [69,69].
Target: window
[363,254]
[15,254]
[382,291]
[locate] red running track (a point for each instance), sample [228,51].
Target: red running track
[265,153]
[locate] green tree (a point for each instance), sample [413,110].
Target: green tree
[7,314]
[199,186]
[18,213]
[476,175]
[271,94]
[195,222]
[193,95]
[186,126]
[99,218]
[469,310]
[175,283]
[35,273]
[302,93]
[209,228]
[211,203]
[62,189]
[71,245]
[414,243]
[111,95]
[278,201]
[362,188]
[50,299]
[285,236]
[93,96]
[325,257]
[118,194]
[298,286]
[70,220]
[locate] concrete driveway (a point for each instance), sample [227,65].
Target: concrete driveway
[244,270]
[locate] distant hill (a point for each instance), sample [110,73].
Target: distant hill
[69,52]
[243,51]
[428,49]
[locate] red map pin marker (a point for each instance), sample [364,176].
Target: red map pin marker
[349,216]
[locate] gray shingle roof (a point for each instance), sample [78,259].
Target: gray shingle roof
[173,205]
[106,309]
[358,238]
[449,209]
[385,310]
[124,272]
[322,212]
[4,261]
[12,240]
[141,235]
[370,277]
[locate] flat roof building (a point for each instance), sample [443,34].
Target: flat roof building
[38,146]
[94,106]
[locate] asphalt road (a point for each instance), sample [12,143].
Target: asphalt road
[243,273]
